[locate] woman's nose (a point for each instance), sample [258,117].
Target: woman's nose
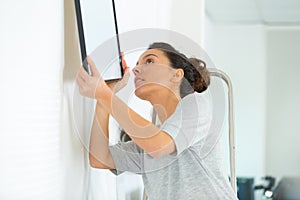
[136,70]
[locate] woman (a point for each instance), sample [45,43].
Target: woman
[169,155]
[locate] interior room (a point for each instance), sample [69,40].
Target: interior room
[45,122]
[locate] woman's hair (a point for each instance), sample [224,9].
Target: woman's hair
[196,76]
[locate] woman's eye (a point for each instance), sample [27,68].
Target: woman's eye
[149,61]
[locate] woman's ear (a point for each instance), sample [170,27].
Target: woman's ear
[178,75]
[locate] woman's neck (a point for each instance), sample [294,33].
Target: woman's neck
[165,105]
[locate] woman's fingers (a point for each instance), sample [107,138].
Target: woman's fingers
[80,80]
[124,64]
[126,75]
[82,73]
[92,67]
[127,70]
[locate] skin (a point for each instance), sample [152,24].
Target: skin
[156,82]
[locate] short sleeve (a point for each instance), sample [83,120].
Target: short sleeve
[190,122]
[127,156]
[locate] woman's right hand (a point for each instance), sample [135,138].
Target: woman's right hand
[117,85]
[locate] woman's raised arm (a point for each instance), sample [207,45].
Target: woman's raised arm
[99,154]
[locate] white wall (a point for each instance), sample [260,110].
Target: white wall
[31,53]
[239,51]
[185,17]
[283,101]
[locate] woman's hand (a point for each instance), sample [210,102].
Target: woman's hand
[94,86]
[116,86]
[91,86]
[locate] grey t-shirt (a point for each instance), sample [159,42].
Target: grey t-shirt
[194,171]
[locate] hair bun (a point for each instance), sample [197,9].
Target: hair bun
[203,75]
[197,63]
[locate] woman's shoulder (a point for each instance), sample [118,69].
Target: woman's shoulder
[192,106]
[195,102]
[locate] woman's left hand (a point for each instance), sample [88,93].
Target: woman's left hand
[90,84]
[117,85]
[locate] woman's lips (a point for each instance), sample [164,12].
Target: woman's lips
[138,81]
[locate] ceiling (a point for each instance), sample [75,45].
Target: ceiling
[270,12]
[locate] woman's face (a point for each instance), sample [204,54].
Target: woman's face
[153,74]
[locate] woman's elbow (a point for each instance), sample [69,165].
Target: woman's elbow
[160,145]
[101,163]
[163,152]
[95,163]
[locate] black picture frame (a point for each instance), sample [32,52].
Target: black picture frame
[82,40]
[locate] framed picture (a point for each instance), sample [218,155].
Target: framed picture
[98,36]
